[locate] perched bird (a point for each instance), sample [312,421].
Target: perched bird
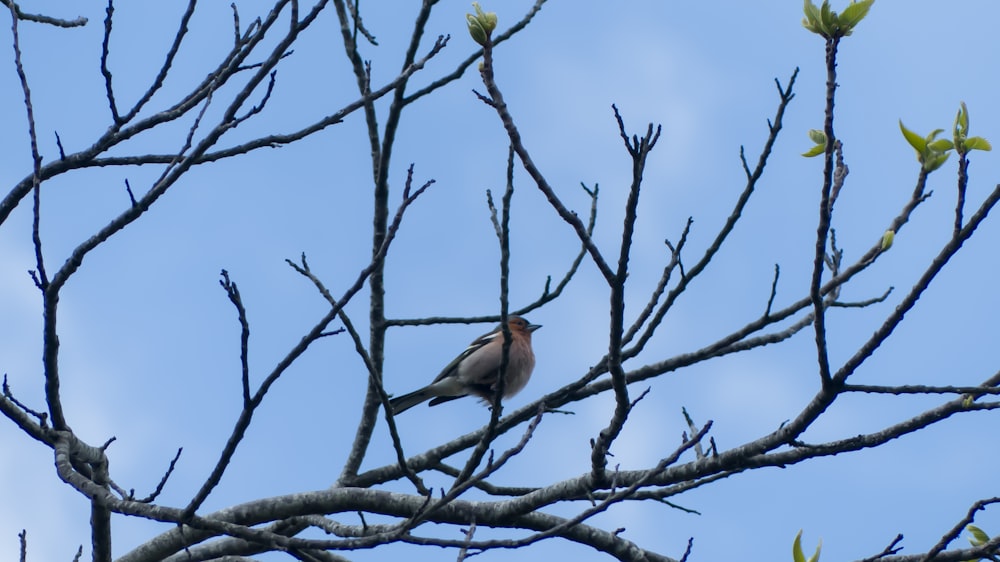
[477,369]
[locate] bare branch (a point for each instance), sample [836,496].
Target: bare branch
[42,280]
[949,250]
[40,18]
[314,334]
[963,183]
[825,215]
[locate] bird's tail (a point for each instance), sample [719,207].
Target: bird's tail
[403,403]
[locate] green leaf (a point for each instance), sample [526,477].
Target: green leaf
[961,130]
[915,140]
[797,555]
[933,134]
[815,151]
[482,24]
[491,21]
[813,20]
[887,239]
[962,119]
[977,143]
[941,145]
[476,29]
[853,14]
[936,162]
[815,556]
[826,16]
[979,537]
[817,136]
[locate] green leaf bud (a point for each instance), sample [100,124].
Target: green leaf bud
[887,239]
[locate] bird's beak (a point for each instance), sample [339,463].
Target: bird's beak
[533,327]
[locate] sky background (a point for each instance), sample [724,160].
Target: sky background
[150,343]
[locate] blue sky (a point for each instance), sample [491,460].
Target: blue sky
[150,342]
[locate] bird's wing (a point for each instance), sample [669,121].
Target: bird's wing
[451,368]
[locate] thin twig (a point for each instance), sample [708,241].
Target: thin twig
[105,71]
[497,102]
[639,149]
[315,333]
[233,292]
[951,535]
[502,226]
[39,18]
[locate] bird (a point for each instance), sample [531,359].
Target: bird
[476,370]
